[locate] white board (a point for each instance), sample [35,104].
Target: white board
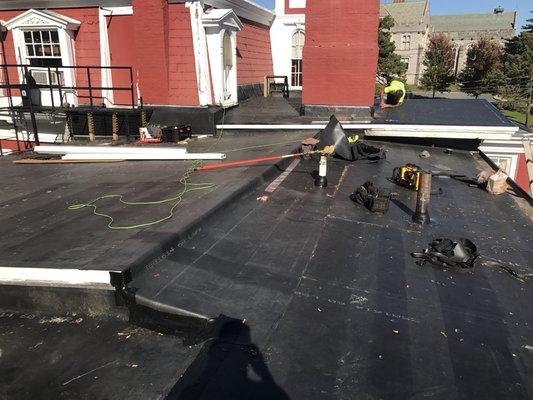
[145,157]
[48,149]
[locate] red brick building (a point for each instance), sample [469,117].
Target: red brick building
[188,53]
[329,49]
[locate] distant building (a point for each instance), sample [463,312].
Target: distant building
[465,29]
[410,34]
[414,25]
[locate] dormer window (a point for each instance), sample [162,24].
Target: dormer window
[44,43]
[221,26]
[43,48]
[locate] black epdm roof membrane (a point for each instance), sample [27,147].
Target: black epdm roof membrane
[334,305]
[460,112]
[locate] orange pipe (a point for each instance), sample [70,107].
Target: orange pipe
[245,162]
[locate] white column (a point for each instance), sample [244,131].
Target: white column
[105,59]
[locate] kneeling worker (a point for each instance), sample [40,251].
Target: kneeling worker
[395,95]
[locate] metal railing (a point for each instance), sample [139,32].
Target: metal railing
[23,72]
[61,88]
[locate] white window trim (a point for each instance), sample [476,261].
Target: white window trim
[42,20]
[298,29]
[216,24]
[201,60]
[513,166]
[112,11]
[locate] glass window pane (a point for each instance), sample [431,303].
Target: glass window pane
[29,50]
[57,50]
[298,39]
[47,50]
[46,36]
[27,37]
[228,51]
[38,51]
[36,36]
[53,75]
[55,37]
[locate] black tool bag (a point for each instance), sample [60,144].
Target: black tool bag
[375,199]
[363,151]
[174,134]
[462,253]
[445,252]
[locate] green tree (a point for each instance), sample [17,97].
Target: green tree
[439,62]
[517,69]
[390,64]
[529,25]
[482,69]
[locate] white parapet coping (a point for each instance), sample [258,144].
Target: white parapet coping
[144,156]
[56,277]
[399,130]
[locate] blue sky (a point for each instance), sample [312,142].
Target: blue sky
[465,6]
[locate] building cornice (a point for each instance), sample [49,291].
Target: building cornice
[246,9]
[33,17]
[220,18]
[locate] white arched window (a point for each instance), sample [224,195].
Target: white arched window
[227,57]
[298,41]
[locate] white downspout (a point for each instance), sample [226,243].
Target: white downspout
[105,58]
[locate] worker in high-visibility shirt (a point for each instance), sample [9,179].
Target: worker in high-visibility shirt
[395,94]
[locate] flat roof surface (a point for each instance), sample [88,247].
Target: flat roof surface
[458,112]
[335,307]
[39,231]
[453,112]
